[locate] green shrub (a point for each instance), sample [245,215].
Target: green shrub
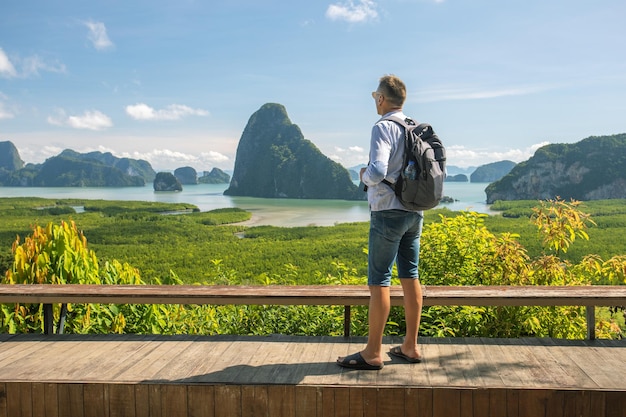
[457,249]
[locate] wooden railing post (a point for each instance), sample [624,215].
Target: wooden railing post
[591,322]
[48,319]
[346,321]
[62,317]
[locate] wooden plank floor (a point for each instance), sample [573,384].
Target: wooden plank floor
[310,361]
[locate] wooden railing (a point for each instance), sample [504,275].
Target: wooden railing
[343,295]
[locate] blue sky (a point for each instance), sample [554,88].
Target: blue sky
[175,82]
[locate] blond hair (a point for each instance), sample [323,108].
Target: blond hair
[393,89]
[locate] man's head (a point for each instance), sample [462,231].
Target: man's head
[390,94]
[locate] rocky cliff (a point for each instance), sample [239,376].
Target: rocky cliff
[73,169]
[10,157]
[216,176]
[456,178]
[492,172]
[64,171]
[275,161]
[166,181]
[131,167]
[592,169]
[186,175]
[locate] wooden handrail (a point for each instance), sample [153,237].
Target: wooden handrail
[346,295]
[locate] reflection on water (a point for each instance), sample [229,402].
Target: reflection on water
[265,211]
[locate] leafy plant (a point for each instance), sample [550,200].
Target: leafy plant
[463,248]
[56,254]
[560,223]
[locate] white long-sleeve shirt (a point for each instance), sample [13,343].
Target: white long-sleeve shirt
[386,159]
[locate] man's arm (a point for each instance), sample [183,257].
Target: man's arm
[380,151]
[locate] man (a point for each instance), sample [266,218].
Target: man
[394,235]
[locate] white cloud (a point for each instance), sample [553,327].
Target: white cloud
[6,67]
[349,157]
[5,111]
[90,119]
[349,11]
[37,153]
[141,111]
[33,64]
[157,151]
[463,157]
[98,35]
[212,156]
[58,119]
[351,149]
[93,120]
[449,94]
[28,66]
[168,159]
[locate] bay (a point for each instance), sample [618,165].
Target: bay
[265,211]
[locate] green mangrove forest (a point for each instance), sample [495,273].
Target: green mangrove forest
[120,242]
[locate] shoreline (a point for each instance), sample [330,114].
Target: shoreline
[265,211]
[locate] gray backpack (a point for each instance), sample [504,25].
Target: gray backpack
[420,184]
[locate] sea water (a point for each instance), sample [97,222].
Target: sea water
[265,211]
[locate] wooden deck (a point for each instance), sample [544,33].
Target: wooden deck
[130,375]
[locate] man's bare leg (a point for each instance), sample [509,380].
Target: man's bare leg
[378,313]
[377,319]
[413,301]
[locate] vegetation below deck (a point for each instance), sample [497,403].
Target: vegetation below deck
[530,243]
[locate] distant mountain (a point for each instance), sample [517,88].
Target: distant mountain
[64,171]
[10,157]
[132,167]
[492,172]
[275,161]
[454,173]
[357,168]
[354,175]
[457,178]
[73,169]
[454,170]
[216,176]
[186,175]
[355,171]
[166,181]
[592,169]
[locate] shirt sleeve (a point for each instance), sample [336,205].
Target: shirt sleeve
[380,152]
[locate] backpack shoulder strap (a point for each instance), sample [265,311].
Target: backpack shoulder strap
[408,123]
[420,129]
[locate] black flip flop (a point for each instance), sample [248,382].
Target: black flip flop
[397,352]
[356,361]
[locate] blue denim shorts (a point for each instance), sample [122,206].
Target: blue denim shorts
[394,237]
